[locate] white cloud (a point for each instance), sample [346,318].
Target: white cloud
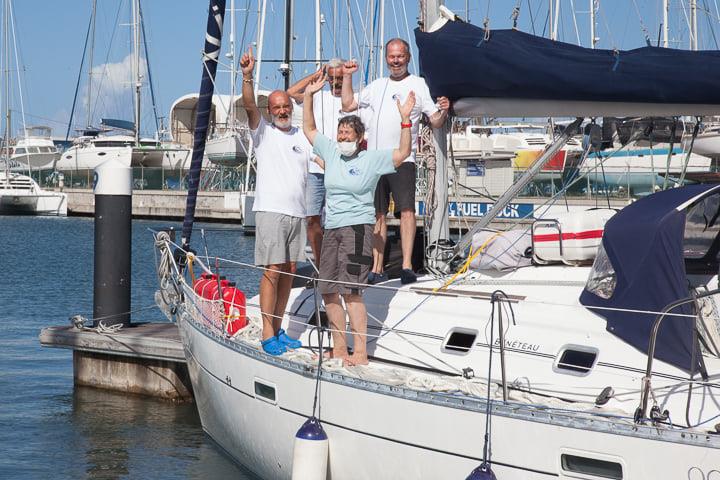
[112,90]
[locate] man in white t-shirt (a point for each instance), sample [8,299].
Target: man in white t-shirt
[376,105]
[327,106]
[282,153]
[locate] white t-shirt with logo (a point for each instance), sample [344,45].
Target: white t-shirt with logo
[383,120]
[282,163]
[328,112]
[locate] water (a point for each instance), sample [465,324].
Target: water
[48,429]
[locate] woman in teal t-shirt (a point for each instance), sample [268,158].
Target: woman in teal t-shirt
[350,179]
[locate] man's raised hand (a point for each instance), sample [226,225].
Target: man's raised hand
[247,62]
[350,67]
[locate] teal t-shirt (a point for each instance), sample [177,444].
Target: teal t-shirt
[350,182]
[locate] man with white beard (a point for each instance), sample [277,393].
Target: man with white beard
[281,155]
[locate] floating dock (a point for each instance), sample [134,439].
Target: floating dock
[144,358]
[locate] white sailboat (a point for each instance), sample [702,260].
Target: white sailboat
[555,369]
[19,193]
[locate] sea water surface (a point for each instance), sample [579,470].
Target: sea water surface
[48,429]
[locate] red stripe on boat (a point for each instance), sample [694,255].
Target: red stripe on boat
[554,237]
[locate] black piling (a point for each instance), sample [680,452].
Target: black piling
[113,243]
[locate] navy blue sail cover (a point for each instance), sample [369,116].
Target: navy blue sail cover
[213,42]
[458,62]
[644,243]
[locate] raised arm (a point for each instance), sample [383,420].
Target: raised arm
[247,65]
[309,127]
[438,118]
[349,104]
[403,152]
[297,90]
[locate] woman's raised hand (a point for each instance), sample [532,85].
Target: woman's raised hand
[406,108]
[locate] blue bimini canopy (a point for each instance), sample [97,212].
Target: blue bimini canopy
[511,73]
[642,267]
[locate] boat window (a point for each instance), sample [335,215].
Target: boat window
[19,151]
[459,341]
[602,279]
[33,150]
[702,225]
[592,467]
[265,391]
[575,360]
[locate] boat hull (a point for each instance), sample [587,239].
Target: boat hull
[377,431]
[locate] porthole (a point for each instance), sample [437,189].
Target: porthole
[265,391]
[459,341]
[591,467]
[576,360]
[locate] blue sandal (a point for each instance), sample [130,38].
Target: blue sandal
[272,346]
[286,341]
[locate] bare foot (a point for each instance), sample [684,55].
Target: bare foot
[329,355]
[355,359]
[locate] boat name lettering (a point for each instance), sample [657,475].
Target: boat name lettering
[519,345]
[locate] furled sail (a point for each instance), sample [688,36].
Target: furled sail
[511,73]
[213,38]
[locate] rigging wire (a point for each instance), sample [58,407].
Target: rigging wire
[156,116]
[77,84]
[94,107]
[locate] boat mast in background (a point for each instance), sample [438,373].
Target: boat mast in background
[93,17]
[666,28]
[233,68]
[693,25]
[593,33]
[137,76]
[318,37]
[285,66]
[6,53]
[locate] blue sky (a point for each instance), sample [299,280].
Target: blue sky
[51,33]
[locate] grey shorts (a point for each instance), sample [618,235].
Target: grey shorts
[346,257]
[278,238]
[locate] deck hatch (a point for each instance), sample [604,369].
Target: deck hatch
[576,360]
[459,341]
[592,467]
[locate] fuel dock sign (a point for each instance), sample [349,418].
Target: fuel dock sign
[477,209]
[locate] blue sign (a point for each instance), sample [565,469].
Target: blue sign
[476,168]
[477,209]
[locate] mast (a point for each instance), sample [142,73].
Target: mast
[285,66]
[371,26]
[136,66]
[693,25]
[233,68]
[381,41]
[439,227]
[260,41]
[318,38]
[593,34]
[666,29]
[93,16]
[553,12]
[6,53]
